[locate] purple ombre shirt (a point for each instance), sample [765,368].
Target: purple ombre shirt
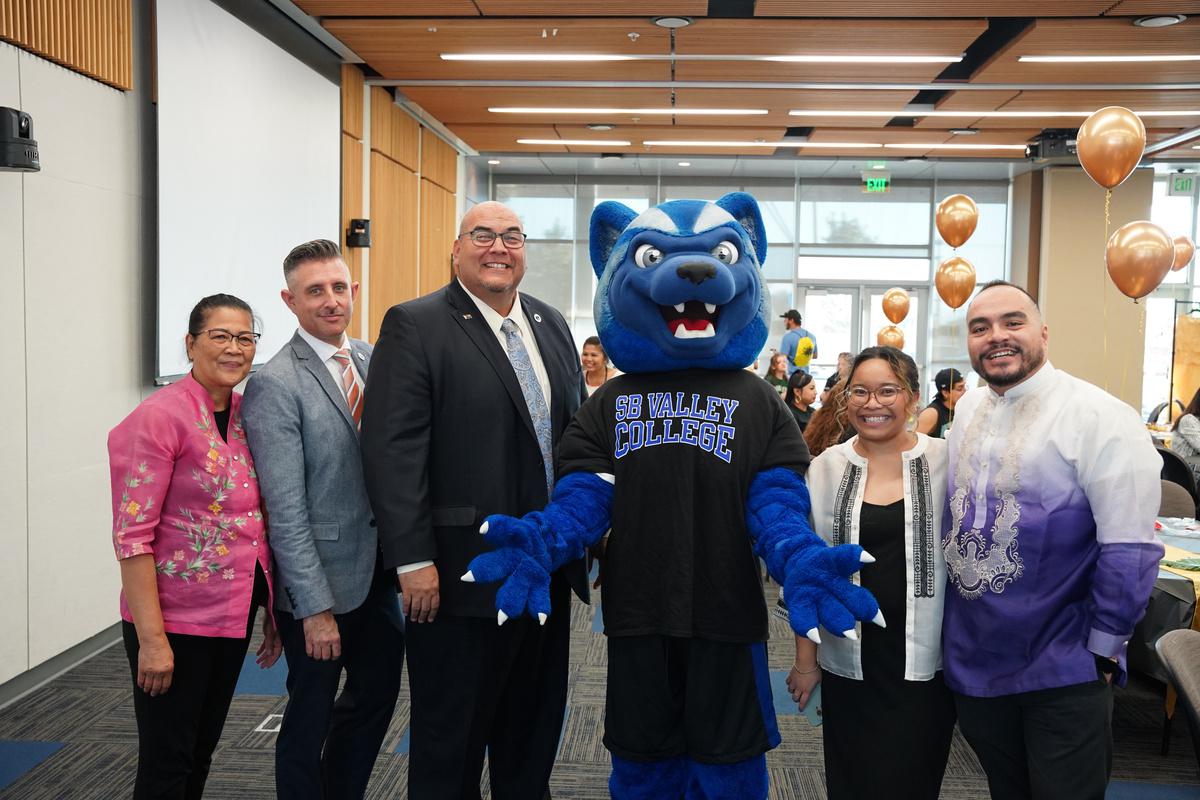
[1050,548]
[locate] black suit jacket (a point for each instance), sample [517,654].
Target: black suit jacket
[447,438]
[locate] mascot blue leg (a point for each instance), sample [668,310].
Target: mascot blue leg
[649,780]
[743,780]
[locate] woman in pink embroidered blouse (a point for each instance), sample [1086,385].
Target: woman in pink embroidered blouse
[189,534]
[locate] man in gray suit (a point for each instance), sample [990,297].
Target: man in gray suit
[335,605]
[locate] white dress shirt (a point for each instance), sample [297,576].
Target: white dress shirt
[326,351]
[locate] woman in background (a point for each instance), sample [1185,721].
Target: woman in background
[882,688]
[189,534]
[829,424]
[801,394]
[596,371]
[1185,439]
[777,373]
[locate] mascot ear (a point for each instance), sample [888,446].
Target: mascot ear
[609,219]
[744,209]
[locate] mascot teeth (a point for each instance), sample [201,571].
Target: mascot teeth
[683,333]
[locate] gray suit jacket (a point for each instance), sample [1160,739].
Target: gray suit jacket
[306,454]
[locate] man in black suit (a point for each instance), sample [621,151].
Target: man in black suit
[469,389]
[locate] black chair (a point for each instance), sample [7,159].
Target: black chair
[1176,470]
[1153,416]
[1179,652]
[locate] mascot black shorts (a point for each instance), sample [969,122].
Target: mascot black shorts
[668,696]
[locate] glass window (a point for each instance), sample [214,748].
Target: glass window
[823,268]
[547,211]
[782,298]
[839,212]
[876,321]
[1156,366]
[829,315]
[548,273]
[1175,216]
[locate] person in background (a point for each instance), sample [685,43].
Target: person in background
[195,566]
[1185,439]
[798,344]
[883,693]
[336,606]
[777,373]
[1050,556]
[801,394]
[843,369]
[934,420]
[830,424]
[596,371]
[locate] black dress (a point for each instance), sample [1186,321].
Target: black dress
[885,736]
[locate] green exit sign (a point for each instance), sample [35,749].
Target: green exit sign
[876,183]
[1183,184]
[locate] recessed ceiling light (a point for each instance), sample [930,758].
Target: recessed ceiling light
[602,112]
[600,126]
[1159,21]
[831,58]
[493,161]
[578,142]
[853,58]
[536,57]
[685,163]
[964,131]
[805,112]
[1108,59]
[673,23]
[954,146]
[756,143]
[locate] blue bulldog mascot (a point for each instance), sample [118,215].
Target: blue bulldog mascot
[695,466]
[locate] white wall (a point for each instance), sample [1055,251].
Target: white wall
[72,266]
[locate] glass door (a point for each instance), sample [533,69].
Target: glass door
[831,314]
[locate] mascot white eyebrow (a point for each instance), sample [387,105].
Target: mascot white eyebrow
[697,467]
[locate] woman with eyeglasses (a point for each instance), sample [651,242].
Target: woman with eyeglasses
[882,693]
[190,538]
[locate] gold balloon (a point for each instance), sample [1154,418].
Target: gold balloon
[1184,250]
[955,280]
[1110,144]
[890,336]
[1139,255]
[895,305]
[956,219]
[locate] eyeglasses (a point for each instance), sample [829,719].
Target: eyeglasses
[246,340]
[885,395]
[483,237]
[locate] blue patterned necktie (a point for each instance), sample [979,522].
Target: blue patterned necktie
[539,411]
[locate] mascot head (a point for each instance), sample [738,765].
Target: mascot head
[680,284]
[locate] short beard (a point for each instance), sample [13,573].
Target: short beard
[1027,368]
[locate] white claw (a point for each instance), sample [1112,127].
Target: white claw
[541,618]
[864,557]
[468,577]
[484,528]
[851,635]
[812,634]
[501,617]
[879,620]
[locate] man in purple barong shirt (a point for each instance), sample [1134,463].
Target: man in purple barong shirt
[1050,555]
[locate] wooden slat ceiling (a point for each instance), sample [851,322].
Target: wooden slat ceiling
[711,64]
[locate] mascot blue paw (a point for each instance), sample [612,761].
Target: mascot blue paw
[818,590]
[520,560]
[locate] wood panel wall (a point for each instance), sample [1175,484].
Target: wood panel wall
[437,234]
[352,176]
[92,37]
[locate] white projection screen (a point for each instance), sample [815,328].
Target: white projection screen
[249,166]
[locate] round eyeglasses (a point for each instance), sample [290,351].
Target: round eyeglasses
[482,237]
[885,395]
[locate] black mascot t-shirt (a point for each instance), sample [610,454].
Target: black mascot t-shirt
[679,560]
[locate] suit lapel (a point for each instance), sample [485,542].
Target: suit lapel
[305,355]
[475,326]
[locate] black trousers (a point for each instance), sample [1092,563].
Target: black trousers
[1052,743]
[476,686]
[328,743]
[178,731]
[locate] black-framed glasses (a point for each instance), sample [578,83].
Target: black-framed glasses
[885,395]
[483,237]
[246,339]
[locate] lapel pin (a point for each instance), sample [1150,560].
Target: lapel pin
[361,357]
[537,317]
[466,316]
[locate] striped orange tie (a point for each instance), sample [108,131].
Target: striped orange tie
[349,385]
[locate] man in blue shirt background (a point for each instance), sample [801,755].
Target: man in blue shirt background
[798,344]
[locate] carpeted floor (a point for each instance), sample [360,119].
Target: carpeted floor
[75,738]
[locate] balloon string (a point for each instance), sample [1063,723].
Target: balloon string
[1103,285]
